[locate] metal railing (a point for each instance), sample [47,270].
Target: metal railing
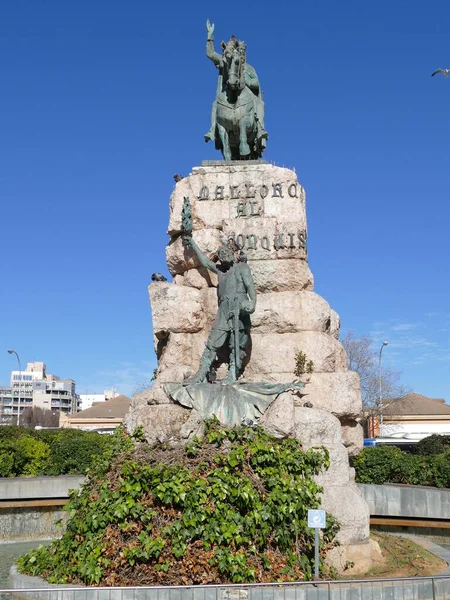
[417,588]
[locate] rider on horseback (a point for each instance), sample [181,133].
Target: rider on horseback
[250,78]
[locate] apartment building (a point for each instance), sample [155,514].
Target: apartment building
[34,387]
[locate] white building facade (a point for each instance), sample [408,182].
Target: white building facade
[88,400]
[34,388]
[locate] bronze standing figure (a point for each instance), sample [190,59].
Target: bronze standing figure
[236,296]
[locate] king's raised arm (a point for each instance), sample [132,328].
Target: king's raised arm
[210,52]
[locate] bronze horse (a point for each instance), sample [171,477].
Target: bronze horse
[238,111]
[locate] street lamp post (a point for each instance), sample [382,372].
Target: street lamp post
[20,384]
[379,381]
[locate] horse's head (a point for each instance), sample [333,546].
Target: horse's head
[234,55]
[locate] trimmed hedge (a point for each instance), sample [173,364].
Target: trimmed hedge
[388,464]
[28,452]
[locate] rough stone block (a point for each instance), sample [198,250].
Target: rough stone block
[274,191]
[339,393]
[281,275]
[182,349]
[272,352]
[179,259]
[338,474]
[335,325]
[278,420]
[316,427]
[166,300]
[350,559]
[350,509]
[175,372]
[199,278]
[290,312]
[161,423]
[353,436]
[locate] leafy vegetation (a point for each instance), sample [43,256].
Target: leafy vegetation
[387,464]
[302,364]
[229,508]
[433,444]
[29,452]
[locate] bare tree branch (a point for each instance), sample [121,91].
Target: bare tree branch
[363,358]
[30,417]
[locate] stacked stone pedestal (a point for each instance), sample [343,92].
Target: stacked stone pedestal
[263,208]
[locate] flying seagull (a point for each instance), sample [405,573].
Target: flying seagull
[445,72]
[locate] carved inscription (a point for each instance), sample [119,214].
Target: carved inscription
[279,241]
[248,209]
[247,205]
[248,191]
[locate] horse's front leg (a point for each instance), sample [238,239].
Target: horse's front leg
[223,134]
[245,125]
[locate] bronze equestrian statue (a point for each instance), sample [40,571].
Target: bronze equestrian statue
[237,121]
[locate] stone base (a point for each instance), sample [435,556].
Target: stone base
[174,424]
[351,559]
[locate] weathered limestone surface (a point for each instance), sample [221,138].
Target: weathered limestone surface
[161,423]
[167,299]
[353,436]
[262,208]
[290,312]
[282,275]
[270,352]
[198,278]
[279,418]
[338,393]
[276,352]
[227,186]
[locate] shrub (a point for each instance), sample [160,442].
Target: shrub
[375,465]
[231,508]
[440,470]
[433,444]
[24,456]
[72,450]
[387,464]
[28,452]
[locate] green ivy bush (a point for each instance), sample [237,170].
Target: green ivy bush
[231,508]
[28,452]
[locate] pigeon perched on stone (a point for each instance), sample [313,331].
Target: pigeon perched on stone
[158,277]
[445,72]
[178,177]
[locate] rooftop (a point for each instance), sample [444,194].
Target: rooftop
[110,409]
[416,404]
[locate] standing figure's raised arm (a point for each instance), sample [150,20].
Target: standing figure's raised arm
[202,258]
[210,52]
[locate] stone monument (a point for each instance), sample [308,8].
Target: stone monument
[240,316]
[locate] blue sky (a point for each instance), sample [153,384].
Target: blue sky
[102,102]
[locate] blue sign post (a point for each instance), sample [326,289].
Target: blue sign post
[316,520]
